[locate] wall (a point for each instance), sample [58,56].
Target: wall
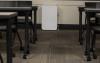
[67,10]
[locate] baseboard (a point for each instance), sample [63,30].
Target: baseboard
[64,26]
[21,26]
[68,26]
[60,26]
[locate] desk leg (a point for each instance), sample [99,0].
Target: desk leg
[80,27]
[26,46]
[87,51]
[35,26]
[9,42]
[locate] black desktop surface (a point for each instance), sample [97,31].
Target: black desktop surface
[16,6]
[92,4]
[15,3]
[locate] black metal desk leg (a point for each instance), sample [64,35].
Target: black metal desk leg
[80,27]
[26,46]
[35,25]
[9,42]
[87,51]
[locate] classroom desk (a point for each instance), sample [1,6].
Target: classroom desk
[26,11]
[8,18]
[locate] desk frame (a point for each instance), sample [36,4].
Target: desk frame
[9,43]
[27,11]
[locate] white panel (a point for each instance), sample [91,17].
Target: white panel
[49,17]
[68,15]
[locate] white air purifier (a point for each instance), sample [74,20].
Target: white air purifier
[49,17]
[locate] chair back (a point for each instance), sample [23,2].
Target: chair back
[93,5]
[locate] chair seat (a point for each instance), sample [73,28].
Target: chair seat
[3,27]
[96,28]
[98,15]
[23,20]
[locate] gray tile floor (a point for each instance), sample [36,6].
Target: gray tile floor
[53,47]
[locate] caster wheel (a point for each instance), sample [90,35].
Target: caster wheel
[88,58]
[24,57]
[94,56]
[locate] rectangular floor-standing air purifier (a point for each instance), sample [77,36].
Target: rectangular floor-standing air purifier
[49,17]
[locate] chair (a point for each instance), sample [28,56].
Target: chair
[88,5]
[95,30]
[92,22]
[95,25]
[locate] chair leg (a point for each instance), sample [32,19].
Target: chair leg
[21,47]
[93,45]
[1,58]
[33,35]
[19,38]
[13,40]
